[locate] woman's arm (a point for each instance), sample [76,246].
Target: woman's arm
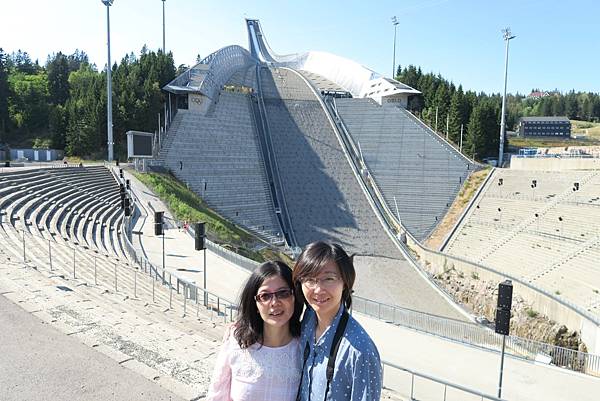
[367,378]
[220,385]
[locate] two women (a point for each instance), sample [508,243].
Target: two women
[335,358]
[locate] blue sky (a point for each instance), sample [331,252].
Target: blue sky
[557,44]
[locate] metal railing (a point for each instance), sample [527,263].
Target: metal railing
[276,187]
[479,336]
[431,381]
[78,262]
[34,165]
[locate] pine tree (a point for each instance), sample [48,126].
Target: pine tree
[85,110]
[58,78]
[442,103]
[558,106]
[571,105]
[457,115]
[482,133]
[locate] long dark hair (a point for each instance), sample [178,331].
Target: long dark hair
[314,257]
[249,325]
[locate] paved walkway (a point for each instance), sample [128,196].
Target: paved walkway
[38,362]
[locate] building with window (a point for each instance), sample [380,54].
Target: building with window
[545,126]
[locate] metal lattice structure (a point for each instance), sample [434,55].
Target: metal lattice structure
[209,75]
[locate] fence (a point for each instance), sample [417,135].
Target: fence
[38,165]
[479,336]
[80,263]
[431,389]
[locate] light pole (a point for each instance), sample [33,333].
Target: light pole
[507,37]
[395,23]
[163,1]
[109,124]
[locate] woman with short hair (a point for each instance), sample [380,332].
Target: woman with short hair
[260,358]
[340,361]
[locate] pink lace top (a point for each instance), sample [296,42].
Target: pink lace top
[258,373]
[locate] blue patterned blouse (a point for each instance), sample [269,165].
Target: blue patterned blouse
[357,375]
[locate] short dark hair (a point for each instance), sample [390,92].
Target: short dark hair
[248,328]
[314,257]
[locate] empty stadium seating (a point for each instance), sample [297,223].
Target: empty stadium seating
[77,205]
[544,232]
[411,165]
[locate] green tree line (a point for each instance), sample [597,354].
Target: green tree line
[62,104]
[479,113]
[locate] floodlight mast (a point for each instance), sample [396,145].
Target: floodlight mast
[507,37]
[109,123]
[163,2]
[395,23]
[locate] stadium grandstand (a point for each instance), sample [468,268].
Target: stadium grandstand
[293,149]
[542,227]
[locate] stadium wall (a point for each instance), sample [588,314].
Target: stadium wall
[554,163]
[560,311]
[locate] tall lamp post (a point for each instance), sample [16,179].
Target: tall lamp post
[109,124]
[507,37]
[395,23]
[163,1]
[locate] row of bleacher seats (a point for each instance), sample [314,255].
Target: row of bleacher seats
[77,205]
[218,155]
[412,167]
[548,235]
[321,192]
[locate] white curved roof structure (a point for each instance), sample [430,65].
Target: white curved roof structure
[355,78]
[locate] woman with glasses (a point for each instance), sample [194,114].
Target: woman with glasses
[260,358]
[340,361]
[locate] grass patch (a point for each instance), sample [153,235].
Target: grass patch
[466,193]
[185,205]
[518,143]
[531,313]
[586,128]
[472,184]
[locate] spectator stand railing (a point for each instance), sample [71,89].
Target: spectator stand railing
[479,336]
[418,391]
